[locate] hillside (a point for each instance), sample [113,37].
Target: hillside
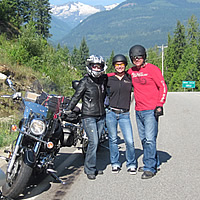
[147,22]
[58,28]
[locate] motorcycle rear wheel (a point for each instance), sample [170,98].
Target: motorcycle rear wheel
[16,185]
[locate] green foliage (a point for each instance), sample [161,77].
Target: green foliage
[42,17]
[19,12]
[182,56]
[154,56]
[84,54]
[109,63]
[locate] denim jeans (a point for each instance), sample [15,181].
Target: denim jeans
[93,127]
[112,120]
[148,131]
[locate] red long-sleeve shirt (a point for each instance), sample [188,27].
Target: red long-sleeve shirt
[150,89]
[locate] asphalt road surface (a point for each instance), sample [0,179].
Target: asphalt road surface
[178,148]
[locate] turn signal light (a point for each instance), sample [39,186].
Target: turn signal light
[50,145]
[13,128]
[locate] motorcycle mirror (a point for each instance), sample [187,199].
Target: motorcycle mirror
[9,83]
[75,84]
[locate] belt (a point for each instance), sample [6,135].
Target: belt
[118,111]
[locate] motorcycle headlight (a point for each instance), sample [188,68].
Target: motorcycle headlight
[37,127]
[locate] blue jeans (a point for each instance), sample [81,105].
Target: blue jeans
[93,127]
[112,120]
[148,131]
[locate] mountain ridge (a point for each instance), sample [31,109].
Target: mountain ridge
[147,22]
[75,12]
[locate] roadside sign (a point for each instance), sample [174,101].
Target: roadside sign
[188,84]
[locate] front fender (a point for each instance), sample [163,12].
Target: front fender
[29,157]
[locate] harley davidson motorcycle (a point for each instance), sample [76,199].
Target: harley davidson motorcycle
[40,137]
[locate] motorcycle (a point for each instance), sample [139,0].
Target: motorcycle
[40,138]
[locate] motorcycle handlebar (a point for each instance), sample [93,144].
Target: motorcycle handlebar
[6,96]
[16,95]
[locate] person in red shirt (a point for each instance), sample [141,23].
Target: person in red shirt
[150,93]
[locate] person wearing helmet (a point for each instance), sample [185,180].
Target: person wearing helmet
[150,93]
[119,88]
[92,90]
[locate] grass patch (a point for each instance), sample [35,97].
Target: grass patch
[6,137]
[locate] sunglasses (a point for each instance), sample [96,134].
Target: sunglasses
[96,66]
[122,65]
[137,57]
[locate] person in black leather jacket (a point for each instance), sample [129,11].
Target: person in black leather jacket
[92,91]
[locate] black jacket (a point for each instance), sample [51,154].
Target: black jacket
[119,91]
[92,92]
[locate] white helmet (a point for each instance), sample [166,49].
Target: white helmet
[92,60]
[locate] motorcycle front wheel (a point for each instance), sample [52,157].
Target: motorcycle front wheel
[17,180]
[84,145]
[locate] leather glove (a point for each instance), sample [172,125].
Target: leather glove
[65,111]
[158,111]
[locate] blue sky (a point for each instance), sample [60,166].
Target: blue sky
[90,2]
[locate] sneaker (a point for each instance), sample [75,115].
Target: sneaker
[91,176]
[99,172]
[115,170]
[147,175]
[132,171]
[158,168]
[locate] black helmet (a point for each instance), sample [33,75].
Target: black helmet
[119,58]
[137,50]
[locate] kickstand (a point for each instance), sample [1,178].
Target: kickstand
[53,174]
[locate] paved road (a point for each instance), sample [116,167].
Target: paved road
[178,147]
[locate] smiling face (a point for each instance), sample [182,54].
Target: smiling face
[138,61]
[120,67]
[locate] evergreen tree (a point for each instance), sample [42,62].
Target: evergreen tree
[154,57]
[188,69]
[42,17]
[9,11]
[84,54]
[109,63]
[28,9]
[3,10]
[174,52]
[75,58]
[192,31]
[198,54]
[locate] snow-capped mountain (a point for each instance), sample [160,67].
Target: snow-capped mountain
[75,12]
